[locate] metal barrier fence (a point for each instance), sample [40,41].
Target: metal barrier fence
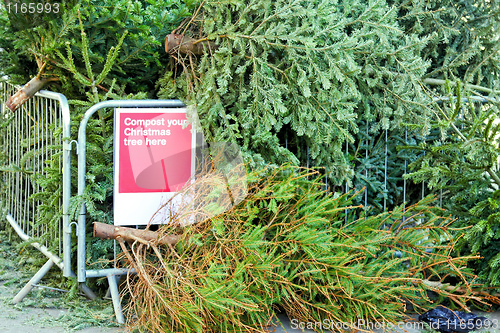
[30,137]
[110,273]
[28,142]
[363,169]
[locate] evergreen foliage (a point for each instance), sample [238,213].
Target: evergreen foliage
[37,50]
[460,154]
[263,86]
[286,75]
[463,163]
[292,82]
[466,47]
[288,246]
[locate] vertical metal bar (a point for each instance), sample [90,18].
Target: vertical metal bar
[58,141]
[32,128]
[38,147]
[8,140]
[115,296]
[18,174]
[35,149]
[34,121]
[28,215]
[12,149]
[10,178]
[66,185]
[26,120]
[13,176]
[81,151]
[46,134]
[14,160]
[346,183]
[51,125]
[29,119]
[18,124]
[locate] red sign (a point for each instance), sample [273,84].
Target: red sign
[153,154]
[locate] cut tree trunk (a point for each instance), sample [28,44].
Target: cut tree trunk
[25,93]
[184,44]
[130,235]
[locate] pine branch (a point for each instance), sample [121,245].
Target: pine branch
[64,66]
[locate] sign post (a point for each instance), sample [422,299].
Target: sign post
[154,158]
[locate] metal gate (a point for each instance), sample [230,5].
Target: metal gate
[110,273]
[31,137]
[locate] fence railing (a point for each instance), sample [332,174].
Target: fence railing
[83,272]
[29,141]
[30,138]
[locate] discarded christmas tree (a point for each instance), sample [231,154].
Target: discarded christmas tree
[318,84]
[292,247]
[280,76]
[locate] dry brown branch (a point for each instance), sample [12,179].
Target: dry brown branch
[107,231]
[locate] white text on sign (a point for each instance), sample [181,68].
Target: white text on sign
[147,131]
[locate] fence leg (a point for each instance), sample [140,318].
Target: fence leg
[115,295]
[86,290]
[34,280]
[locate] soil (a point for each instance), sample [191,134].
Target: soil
[36,320]
[44,310]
